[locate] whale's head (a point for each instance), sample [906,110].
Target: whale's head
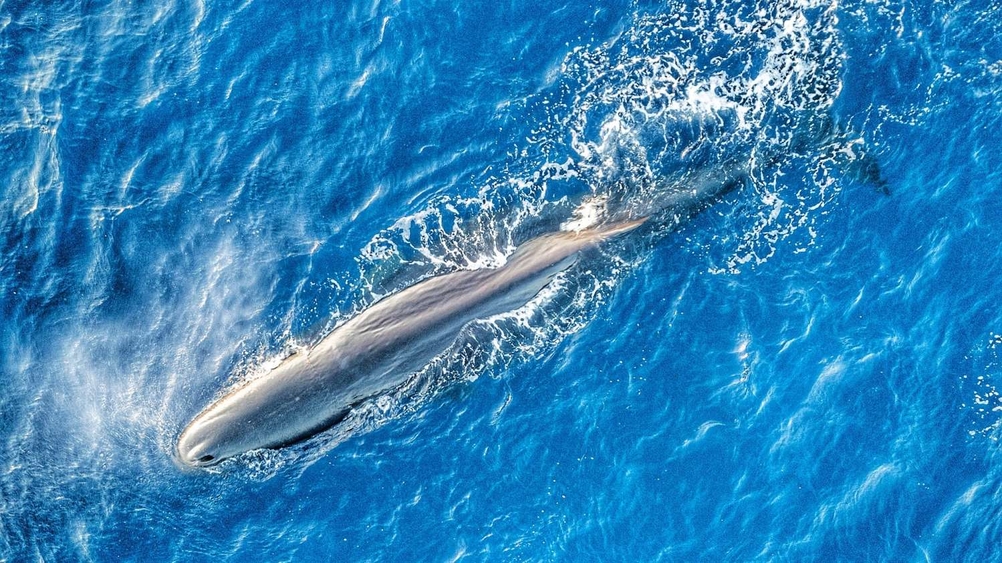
[203,442]
[221,431]
[268,412]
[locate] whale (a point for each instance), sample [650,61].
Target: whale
[377,350]
[381,347]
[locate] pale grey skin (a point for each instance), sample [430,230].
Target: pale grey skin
[375,351]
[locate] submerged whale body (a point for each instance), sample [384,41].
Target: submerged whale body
[375,351]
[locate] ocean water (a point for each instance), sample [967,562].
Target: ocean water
[807,370]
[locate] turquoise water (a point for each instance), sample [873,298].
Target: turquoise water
[806,370]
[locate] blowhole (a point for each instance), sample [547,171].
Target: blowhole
[206,458]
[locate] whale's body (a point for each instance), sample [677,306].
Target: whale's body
[375,351]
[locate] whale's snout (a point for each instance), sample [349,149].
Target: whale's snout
[194,449]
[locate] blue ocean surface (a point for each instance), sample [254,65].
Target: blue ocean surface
[809,369]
